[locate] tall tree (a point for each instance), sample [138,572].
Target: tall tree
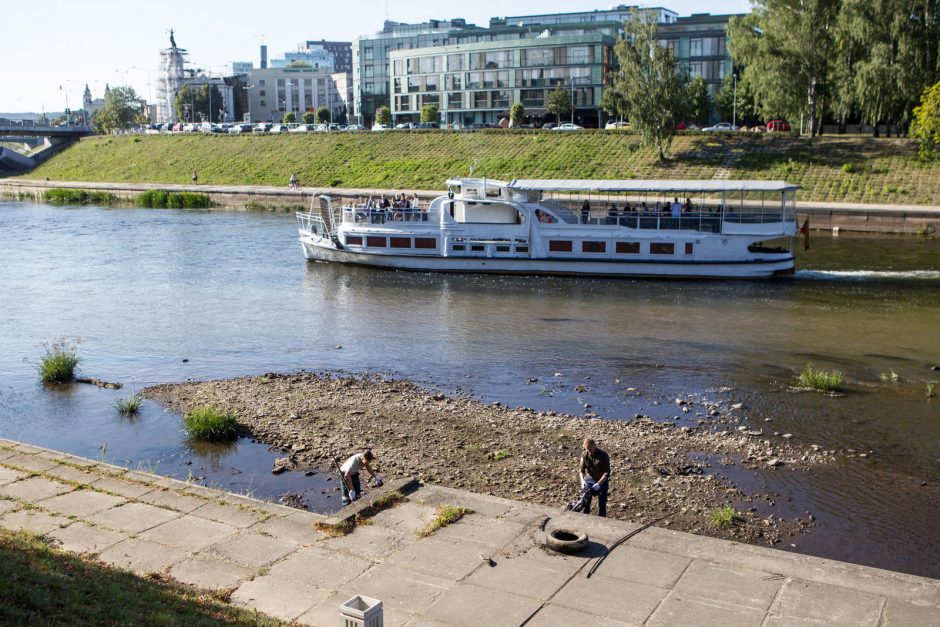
[430,113]
[122,109]
[197,102]
[736,103]
[516,114]
[699,101]
[926,124]
[786,48]
[612,102]
[309,117]
[558,103]
[383,116]
[323,114]
[653,87]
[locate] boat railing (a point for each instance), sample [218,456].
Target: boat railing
[361,215]
[311,223]
[705,221]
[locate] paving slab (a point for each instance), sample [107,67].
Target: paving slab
[400,589]
[132,517]
[188,532]
[824,603]
[127,489]
[326,614]
[609,598]
[252,549]
[8,475]
[230,515]
[34,489]
[470,606]
[8,505]
[278,597]
[81,538]
[369,541]
[31,520]
[529,578]
[210,574]
[320,568]
[741,586]
[68,473]
[142,557]
[294,530]
[641,566]
[405,518]
[169,499]
[489,533]
[557,616]
[441,558]
[482,504]
[29,462]
[677,609]
[898,612]
[80,503]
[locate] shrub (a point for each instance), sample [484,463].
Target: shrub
[78,197]
[821,379]
[59,361]
[849,168]
[208,423]
[128,406]
[724,517]
[162,199]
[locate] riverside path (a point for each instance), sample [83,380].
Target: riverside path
[488,569]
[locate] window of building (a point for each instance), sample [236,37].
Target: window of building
[399,66]
[533,97]
[480,100]
[376,241]
[432,82]
[580,54]
[401,242]
[425,242]
[658,248]
[396,88]
[500,99]
[430,99]
[593,247]
[403,103]
[498,59]
[414,84]
[628,248]
[453,81]
[264,103]
[262,93]
[695,47]
[474,80]
[695,69]
[559,246]
[455,100]
[261,82]
[455,62]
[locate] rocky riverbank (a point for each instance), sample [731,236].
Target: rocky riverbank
[456,441]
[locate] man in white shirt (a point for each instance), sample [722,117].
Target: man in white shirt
[349,483]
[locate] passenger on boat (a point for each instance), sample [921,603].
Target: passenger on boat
[585,212]
[676,208]
[688,204]
[612,214]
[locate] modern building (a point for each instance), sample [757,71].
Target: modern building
[225,108]
[698,44]
[241,67]
[273,92]
[341,51]
[620,14]
[317,58]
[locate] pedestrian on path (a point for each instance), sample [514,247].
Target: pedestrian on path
[294,183]
[595,476]
[195,177]
[349,483]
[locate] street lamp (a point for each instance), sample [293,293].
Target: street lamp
[734,101]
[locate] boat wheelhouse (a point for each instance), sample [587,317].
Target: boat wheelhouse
[712,228]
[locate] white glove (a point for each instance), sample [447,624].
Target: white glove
[378,481]
[352,495]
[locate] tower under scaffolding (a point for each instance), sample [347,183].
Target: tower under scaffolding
[169,80]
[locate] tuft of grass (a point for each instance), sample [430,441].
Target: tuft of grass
[380,503]
[162,199]
[60,196]
[59,360]
[891,375]
[930,392]
[446,515]
[849,168]
[128,406]
[338,530]
[208,423]
[821,379]
[724,517]
[501,455]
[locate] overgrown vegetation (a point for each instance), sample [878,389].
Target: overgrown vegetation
[43,585]
[128,406]
[828,381]
[163,199]
[61,196]
[208,423]
[363,517]
[724,517]
[446,515]
[59,360]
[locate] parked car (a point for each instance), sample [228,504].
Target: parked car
[379,127]
[279,128]
[321,128]
[427,125]
[617,126]
[262,127]
[335,127]
[355,127]
[721,126]
[404,126]
[568,126]
[240,128]
[779,126]
[549,126]
[301,128]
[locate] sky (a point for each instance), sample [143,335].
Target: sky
[49,51]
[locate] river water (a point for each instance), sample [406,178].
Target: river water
[164,296]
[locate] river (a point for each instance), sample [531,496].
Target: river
[162,296]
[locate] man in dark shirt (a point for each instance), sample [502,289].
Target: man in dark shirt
[595,476]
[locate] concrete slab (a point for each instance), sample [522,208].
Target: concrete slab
[80,503]
[29,462]
[405,486]
[898,612]
[81,538]
[531,545]
[210,574]
[230,515]
[489,533]
[732,586]
[610,598]
[320,568]
[27,449]
[169,499]
[142,557]
[405,518]
[521,576]
[252,549]
[677,609]
[8,505]
[281,598]
[132,517]
[67,473]
[470,606]
[326,613]
[34,489]
[31,520]
[189,533]
[441,558]
[399,589]
[653,568]
[824,603]
[557,616]
[8,475]
[123,488]
[482,504]
[369,541]
[282,528]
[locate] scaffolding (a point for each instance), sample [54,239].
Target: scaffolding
[169,80]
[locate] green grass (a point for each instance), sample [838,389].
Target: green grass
[883,170]
[208,423]
[162,199]
[446,515]
[128,406]
[60,196]
[43,585]
[59,360]
[723,517]
[821,379]
[501,455]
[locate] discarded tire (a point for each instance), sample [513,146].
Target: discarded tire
[566,540]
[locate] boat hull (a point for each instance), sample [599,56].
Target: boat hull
[749,269]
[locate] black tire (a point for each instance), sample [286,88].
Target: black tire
[566,540]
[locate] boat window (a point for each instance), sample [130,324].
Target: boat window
[354,240]
[485,213]
[662,249]
[376,241]
[522,249]
[688,248]
[458,247]
[477,248]
[559,246]
[628,248]
[425,242]
[593,247]
[502,248]
[401,242]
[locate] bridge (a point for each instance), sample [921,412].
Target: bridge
[29,128]
[55,138]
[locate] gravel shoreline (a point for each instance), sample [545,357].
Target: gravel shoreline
[522,454]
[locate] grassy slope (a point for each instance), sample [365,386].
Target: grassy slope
[43,585]
[888,171]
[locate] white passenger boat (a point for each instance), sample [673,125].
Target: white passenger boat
[631,228]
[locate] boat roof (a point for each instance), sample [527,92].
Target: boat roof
[637,185]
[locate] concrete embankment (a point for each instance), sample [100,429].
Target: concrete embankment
[870,218]
[490,568]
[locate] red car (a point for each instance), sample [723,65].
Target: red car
[778,125]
